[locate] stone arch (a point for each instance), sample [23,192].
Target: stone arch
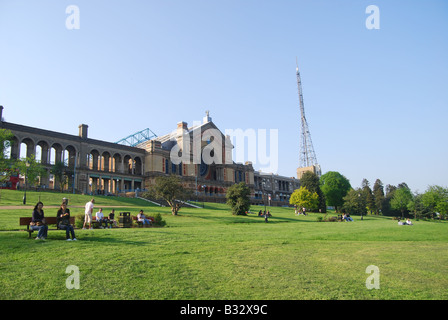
[27,147]
[93,158]
[128,164]
[70,156]
[44,147]
[117,162]
[56,150]
[106,161]
[137,166]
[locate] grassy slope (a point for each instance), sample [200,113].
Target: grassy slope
[210,254]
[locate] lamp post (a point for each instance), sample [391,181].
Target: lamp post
[196,186]
[263,194]
[26,181]
[360,205]
[203,204]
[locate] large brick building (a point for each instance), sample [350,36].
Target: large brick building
[201,155]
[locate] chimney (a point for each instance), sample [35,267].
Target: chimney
[181,128]
[182,125]
[83,131]
[1,113]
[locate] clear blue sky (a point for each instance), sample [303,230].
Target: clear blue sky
[376,100]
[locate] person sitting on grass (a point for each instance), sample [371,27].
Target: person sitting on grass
[141,217]
[100,218]
[63,216]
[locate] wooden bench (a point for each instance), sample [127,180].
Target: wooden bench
[25,221]
[97,223]
[140,223]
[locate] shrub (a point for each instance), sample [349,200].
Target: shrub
[238,198]
[79,220]
[158,221]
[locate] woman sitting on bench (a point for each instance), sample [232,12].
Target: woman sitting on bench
[38,222]
[64,222]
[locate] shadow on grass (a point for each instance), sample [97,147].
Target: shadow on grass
[108,240]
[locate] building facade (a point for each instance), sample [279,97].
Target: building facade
[200,155]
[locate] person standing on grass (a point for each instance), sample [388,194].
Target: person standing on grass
[88,214]
[38,222]
[63,216]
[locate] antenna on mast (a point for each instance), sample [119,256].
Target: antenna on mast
[307,156]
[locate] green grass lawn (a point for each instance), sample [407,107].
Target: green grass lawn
[209,254]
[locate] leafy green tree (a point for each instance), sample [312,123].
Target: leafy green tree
[417,207]
[31,169]
[355,202]
[387,208]
[303,198]
[170,189]
[368,195]
[7,165]
[401,199]
[378,195]
[436,199]
[335,187]
[238,198]
[61,174]
[310,181]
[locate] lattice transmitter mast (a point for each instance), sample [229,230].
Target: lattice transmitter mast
[307,156]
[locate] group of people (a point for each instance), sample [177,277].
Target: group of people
[100,218]
[39,224]
[346,217]
[408,222]
[265,215]
[298,212]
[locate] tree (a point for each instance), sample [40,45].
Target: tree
[417,207]
[334,186]
[378,195]
[368,194]
[31,169]
[7,165]
[436,199]
[401,199]
[310,181]
[170,189]
[387,209]
[238,198]
[61,174]
[355,202]
[303,198]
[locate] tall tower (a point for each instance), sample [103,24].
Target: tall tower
[307,157]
